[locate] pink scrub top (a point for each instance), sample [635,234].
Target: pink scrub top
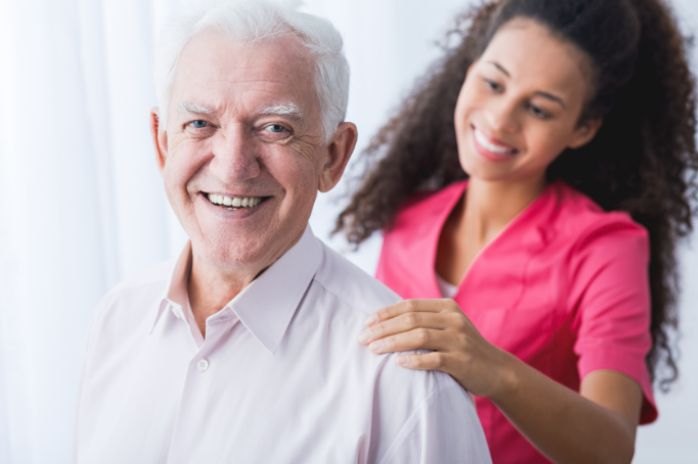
[564,287]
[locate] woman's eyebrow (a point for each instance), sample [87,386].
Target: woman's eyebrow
[547,95]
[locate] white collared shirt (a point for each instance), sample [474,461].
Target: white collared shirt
[279,378]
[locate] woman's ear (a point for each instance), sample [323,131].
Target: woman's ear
[585,132]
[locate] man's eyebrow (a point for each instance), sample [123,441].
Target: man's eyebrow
[289,110]
[547,95]
[195,108]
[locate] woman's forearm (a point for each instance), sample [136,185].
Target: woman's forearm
[566,426]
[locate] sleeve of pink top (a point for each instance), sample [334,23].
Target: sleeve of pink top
[610,291]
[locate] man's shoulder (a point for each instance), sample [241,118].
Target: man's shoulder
[354,294]
[145,283]
[130,299]
[351,285]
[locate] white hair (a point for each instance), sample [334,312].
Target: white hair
[253,20]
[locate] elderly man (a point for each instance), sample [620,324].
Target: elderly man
[246,349]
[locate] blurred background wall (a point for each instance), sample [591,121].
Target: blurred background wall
[82,205]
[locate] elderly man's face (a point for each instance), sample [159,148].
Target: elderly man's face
[243,155]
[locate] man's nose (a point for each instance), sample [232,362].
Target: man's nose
[235,156]
[502,116]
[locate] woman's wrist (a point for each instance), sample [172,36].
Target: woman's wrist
[509,376]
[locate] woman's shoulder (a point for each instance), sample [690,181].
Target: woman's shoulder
[422,205]
[584,223]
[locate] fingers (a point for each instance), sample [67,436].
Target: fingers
[424,361]
[403,323]
[408,315]
[407,306]
[416,339]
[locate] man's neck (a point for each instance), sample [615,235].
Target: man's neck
[210,290]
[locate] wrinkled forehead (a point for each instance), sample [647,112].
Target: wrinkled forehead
[215,65]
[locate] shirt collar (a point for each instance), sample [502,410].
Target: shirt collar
[266,306]
[174,295]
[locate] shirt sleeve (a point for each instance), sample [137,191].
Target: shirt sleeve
[610,291]
[436,431]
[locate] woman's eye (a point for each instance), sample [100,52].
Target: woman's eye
[493,85]
[538,112]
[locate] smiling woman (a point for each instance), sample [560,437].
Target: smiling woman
[539,179]
[516,111]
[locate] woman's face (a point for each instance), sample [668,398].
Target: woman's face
[520,104]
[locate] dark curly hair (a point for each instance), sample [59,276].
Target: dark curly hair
[643,160]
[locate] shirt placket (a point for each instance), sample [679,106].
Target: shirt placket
[200,374]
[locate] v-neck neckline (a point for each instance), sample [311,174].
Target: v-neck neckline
[513,224]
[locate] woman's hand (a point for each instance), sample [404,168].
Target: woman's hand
[456,347]
[605,414]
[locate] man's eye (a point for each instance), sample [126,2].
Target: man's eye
[276,128]
[275,132]
[198,124]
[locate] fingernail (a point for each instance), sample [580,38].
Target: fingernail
[403,361]
[372,319]
[377,346]
[365,336]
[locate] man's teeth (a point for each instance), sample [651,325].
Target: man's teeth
[489,146]
[235,202]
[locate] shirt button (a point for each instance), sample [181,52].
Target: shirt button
[202,365]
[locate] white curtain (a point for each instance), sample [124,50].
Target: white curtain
[81,201]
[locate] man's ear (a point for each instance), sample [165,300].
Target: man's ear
[585,132]
[338,153]
[159,138]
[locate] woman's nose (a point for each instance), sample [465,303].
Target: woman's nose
[502,115]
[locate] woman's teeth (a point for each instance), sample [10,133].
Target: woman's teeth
[234,202]
[489,146]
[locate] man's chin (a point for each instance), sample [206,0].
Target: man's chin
[241,254]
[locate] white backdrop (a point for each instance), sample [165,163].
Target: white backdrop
[81,203]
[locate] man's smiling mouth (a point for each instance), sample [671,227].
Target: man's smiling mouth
[234,201]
